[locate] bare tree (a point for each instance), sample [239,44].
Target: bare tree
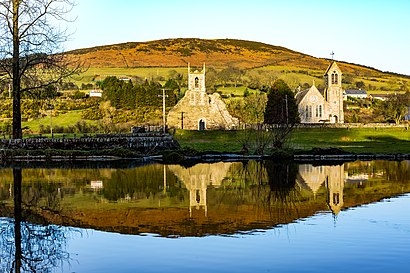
[31,54]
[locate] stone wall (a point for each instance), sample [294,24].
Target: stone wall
[138,142]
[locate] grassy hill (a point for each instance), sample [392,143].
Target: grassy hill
[157,58]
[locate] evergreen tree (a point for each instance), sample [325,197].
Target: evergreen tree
[281,107]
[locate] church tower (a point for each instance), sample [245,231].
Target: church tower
[335,185]
[334,93]
[196,80]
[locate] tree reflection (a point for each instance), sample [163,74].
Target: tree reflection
[28,247]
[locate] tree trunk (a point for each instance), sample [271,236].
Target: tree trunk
[17,134]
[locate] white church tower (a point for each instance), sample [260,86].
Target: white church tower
[334,94]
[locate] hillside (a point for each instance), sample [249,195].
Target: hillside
[219,53]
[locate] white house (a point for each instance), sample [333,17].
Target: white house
[357,94]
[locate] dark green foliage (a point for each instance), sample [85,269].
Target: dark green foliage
[281,107]
[78,95]
[126,95]
[360,85]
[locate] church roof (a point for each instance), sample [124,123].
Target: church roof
[300,95]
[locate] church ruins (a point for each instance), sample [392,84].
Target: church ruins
[198,110]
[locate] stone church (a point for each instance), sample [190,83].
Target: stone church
[199,111]
[323,106]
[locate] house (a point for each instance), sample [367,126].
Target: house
[357,94]
[316,106]
[381,97]
[96,93]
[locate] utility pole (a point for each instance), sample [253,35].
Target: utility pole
[164,122]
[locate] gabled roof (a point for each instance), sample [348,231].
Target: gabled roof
[300,95]
[332,66]
[355,92]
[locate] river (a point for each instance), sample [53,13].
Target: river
[254,216]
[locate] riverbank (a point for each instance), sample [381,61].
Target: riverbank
[368,140]
[305,144]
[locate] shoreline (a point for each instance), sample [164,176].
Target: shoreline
[107,157]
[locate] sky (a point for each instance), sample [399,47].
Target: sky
[373,33]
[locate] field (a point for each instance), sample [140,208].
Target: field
[363,140]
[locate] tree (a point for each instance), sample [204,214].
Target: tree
[395,107]
[30,48]
[360,85]
[281,107]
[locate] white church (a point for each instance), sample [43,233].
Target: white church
[323,107]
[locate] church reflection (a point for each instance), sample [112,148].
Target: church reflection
[198,178]
[331,177]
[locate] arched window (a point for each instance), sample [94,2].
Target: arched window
[317,110]
[310,111]
[196,82]
[320,110]
[335,78]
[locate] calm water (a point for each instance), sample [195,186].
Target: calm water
[221,217]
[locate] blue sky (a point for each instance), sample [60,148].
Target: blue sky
[375,33]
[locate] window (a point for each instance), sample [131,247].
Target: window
[320,110]
[317,110]
[335,78]
[310,111]
[196,82]
[307,112]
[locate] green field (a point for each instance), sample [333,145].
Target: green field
[363,140]
[142,72]
[65,120]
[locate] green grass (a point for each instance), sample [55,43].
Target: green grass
[363,140]
[142,72]
[237,91]
[65,120]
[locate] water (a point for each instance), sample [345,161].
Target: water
[221,217]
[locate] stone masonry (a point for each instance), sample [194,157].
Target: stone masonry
[199,111]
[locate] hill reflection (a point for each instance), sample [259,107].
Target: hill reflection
[218,198]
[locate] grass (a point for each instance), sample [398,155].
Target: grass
[237,91]
[66,119]
[142,72]
[361,140]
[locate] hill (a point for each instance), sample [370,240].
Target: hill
[218,53]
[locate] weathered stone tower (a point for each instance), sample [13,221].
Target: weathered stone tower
[334,93]
[199,111]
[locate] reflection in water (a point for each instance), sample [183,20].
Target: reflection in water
[35,246]
[330,176]
[38,205]
[218,198]
[198,178]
